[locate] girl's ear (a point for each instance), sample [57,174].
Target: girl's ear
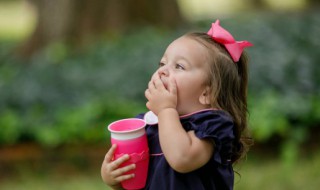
[204,98]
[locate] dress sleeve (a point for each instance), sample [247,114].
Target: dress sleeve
[217,126]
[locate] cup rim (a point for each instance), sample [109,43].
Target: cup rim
[127,131]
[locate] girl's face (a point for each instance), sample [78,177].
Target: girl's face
[185,61]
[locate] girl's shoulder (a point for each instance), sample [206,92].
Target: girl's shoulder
[216,124]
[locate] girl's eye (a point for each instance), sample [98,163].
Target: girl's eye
[161,64]
[178,66]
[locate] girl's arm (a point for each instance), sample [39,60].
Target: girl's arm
[183,150]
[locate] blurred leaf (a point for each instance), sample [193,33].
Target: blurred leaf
[9,127]
[266,118]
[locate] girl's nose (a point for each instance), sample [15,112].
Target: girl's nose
[163,71]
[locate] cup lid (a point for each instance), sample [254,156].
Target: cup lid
[150,118]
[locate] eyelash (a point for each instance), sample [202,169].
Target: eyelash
[161,64]
[177,66]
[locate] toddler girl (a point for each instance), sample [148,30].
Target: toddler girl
[199,96]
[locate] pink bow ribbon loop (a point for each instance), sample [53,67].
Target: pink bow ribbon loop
[222,36]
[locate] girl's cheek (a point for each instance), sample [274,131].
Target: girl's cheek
[175,82]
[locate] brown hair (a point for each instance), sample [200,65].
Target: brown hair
[228,82]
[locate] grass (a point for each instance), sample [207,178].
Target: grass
[81,181]
[268,174]
[256,173]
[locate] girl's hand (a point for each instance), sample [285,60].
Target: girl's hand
[111,174]
[159,96]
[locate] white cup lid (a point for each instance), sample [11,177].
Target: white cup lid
[151,118]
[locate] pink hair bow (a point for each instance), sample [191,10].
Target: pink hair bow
[222,36]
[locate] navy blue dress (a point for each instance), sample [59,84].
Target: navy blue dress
[217,174]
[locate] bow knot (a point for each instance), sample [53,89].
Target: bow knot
[222,36]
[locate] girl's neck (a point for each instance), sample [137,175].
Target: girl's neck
[198,111]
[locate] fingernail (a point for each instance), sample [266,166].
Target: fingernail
[133,166]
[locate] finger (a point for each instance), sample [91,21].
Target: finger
[151,86]
[148,105]
[172,86]
[156,74]
[115,164]
[155,80]
[147,94]
[158,83]
[121,171]
[124,177]
[156,77]
[109,156]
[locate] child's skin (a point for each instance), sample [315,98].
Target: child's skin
[110,171]
[177,88]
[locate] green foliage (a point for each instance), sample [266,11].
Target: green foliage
[266,117]
[71,124]
[10,128]
[62,97]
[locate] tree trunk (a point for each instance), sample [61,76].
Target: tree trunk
[77,22]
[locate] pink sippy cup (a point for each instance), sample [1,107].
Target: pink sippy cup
[130,137]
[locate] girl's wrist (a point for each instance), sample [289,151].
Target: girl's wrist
[167,111]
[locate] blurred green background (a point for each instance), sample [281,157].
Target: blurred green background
[70,67]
